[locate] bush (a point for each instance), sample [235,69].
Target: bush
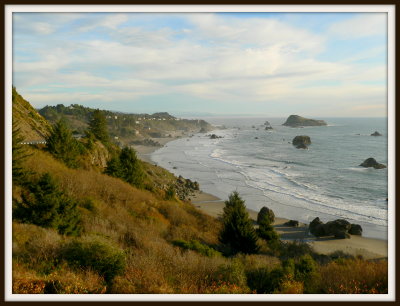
[238,231]
[267,232]
[99,256]
[262,280]
[196,246]
[231,273]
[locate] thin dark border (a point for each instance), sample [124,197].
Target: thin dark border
[204,2]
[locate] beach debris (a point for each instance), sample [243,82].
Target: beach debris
[371,162]
[301,142]
[376,133]
[265,212]
[340,228]
[293,223]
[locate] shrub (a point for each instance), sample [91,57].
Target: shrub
[170,193]
[262,280]
[354,276]
[238,231]
[99,256]
[231,273]
[196,246]
[267,232]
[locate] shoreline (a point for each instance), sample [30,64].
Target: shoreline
[369,248]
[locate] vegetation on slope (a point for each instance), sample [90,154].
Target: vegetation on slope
[80,230]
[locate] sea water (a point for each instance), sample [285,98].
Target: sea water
[322,181]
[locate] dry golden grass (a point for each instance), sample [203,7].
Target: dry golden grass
[355,276]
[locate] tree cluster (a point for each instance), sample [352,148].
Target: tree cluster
[127,166]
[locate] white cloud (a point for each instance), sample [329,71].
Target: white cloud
[219,59]
[361,26]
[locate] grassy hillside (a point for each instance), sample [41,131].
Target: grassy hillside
[31,124]
[79,230]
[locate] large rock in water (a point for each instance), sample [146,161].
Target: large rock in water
[298,121]
[376,133]
[340,228]
[301,142]
[268,125]
[265,212]
[371,162]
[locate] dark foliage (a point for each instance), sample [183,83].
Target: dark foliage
[62,145]
[45,205]
[98,126]
[238,231]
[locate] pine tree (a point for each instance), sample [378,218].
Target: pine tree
[45,205]
[132,171]
[238,231]
[98,126]
[19,153]
[62,145]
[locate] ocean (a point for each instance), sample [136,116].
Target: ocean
[323,181]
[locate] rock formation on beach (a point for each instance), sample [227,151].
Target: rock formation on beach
[213,136]
[371,162]
[340,228]
[376,133]
[298,121]
[301,142]
[293,223]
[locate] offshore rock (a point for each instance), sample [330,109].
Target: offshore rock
[376,133]
[298,121]
[301,142]
[371,162]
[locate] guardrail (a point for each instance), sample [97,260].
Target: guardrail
[33,142]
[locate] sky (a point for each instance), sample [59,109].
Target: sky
[270,64]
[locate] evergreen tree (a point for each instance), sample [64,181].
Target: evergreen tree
[62,145]
[132,171]
[45,205]
[238,231]
[127,167]
[98,126]
[114,167]
[19,153]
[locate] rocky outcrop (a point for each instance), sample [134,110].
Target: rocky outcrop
[268,126]
[355,229]
[298,121]
[213,136]
[371,162]
[340,228]
[265,212]
[293,223]
[376,133]
[301,142]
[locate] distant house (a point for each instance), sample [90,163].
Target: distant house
[115,137]
[137,122]
[115,117]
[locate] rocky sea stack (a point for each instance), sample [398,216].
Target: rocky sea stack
[301,142]
[268,125]
[371,162]
[376,133]
[298,121]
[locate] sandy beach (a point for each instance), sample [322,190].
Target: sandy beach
[367,247]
